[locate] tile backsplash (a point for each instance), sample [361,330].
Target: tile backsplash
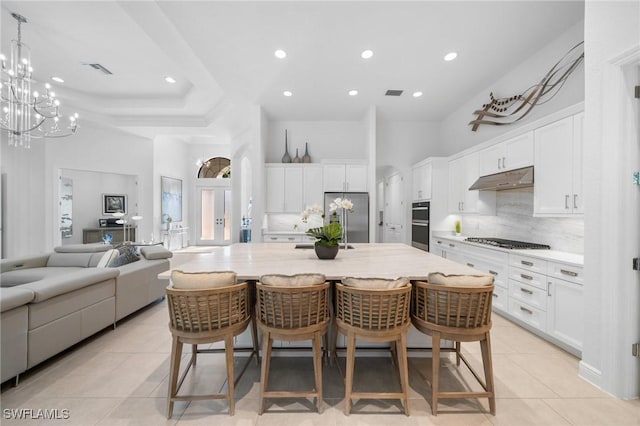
[514,220]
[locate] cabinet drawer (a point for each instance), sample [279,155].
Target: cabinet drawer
[307,239]
[500,300]
[527,313]
[529,263]
[574,274]
[531,278]
[281,239]
[530,295]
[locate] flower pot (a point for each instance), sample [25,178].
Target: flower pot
[326,252]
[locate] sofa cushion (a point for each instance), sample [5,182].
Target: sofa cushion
[376,283]
[155,252]
[202,280]
[7,265]
[69,259]
[11,298]
[24,276]
[439,278]
[60,284]
[83,248]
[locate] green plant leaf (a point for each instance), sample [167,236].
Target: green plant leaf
[327,235]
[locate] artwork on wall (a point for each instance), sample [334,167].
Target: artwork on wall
[114,203]
[502,111]
[66,207]
[171,199]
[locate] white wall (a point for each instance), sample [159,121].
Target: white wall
[88,188]
[612,296]
[456,133]
[327,140]
[96,149]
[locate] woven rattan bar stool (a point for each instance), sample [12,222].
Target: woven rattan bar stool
[201,315]
[457,308]
[292,308]
[374,310]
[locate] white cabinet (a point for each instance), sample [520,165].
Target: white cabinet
[287,238]
[313,190]
[284,189]
[448,249]
[566,305]
[421,185]
[345,178]
[463,172]
[511,154]
[495,263]
[558,168]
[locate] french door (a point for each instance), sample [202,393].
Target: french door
[213,224]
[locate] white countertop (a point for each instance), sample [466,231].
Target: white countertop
[552,255]
[267,232]
[250,261]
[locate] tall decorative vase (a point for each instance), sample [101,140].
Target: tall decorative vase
[296,159]
[286,158]
[306,158]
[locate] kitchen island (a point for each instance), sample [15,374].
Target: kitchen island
[251,261]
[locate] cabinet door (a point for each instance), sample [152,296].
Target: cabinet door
[490,159]
[293,190]
[553,190]
[275,189]
[565,319]
[426,181]
[518,152]
[455,178]
[417,184]
[470,199]
[577,198]
[356,178]
[313,189]
[333,178]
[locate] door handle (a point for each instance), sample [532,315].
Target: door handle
[570,273]
[503,162]
[566,201]
[575,201]
[493,272]
[498,162]
[471,265]
[524,262]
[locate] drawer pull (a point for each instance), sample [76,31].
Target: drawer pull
[291,238]
[524,290]
[524,262]
[522,308]
[439,242]
[493,272]
[274,238]
[570,273]
[19,265]
[526,277]
[451,245]
[470,265]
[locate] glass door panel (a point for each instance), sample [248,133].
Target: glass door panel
[214,223]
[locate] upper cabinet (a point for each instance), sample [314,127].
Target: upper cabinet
[511,154]
[345,178]
[292,187]
[558,168]
[313,186]
[422,181]
[463,172]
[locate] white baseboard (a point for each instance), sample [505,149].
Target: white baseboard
[590,374]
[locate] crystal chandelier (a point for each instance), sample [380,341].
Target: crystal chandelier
[25,114]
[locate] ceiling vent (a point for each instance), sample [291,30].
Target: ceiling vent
[100,68]
[394,92]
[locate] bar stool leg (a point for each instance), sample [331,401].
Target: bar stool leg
[458,347]
[401,346]
[435,371]
[485,346]
[176,354]
[351,354]
[266,362]
[254,338]
[317,368]
[194,354]
[228,350]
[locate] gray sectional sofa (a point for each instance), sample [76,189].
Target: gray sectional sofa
[53,301]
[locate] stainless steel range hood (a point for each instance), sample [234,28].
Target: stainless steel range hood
[519,178]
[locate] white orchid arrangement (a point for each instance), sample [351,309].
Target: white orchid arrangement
[330,234]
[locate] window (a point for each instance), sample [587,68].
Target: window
[218,167]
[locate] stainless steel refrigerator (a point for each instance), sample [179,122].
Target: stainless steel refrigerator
[358,219]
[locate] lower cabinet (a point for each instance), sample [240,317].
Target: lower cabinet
[566,312]
[287,238]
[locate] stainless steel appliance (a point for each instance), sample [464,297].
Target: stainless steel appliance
[420,225]
[508,244]
[519,178]
[358,219]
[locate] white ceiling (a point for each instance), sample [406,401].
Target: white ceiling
[221,53]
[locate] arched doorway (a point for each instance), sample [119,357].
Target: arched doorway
[213,195]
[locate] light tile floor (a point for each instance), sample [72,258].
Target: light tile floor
[119,377]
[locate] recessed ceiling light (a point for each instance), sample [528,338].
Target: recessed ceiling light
[287,93]
[366,54]
[353,92]
[280,54]
[57,79]
[417,94]
[450,56]
[170,79]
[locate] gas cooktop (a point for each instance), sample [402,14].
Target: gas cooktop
[508,244]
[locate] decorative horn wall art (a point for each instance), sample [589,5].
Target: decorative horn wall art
[501,111]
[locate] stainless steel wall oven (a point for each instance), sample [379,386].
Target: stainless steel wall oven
[420,225]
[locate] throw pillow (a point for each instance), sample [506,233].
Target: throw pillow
[438,278]
[127,255]
[107,258]
[298,280]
